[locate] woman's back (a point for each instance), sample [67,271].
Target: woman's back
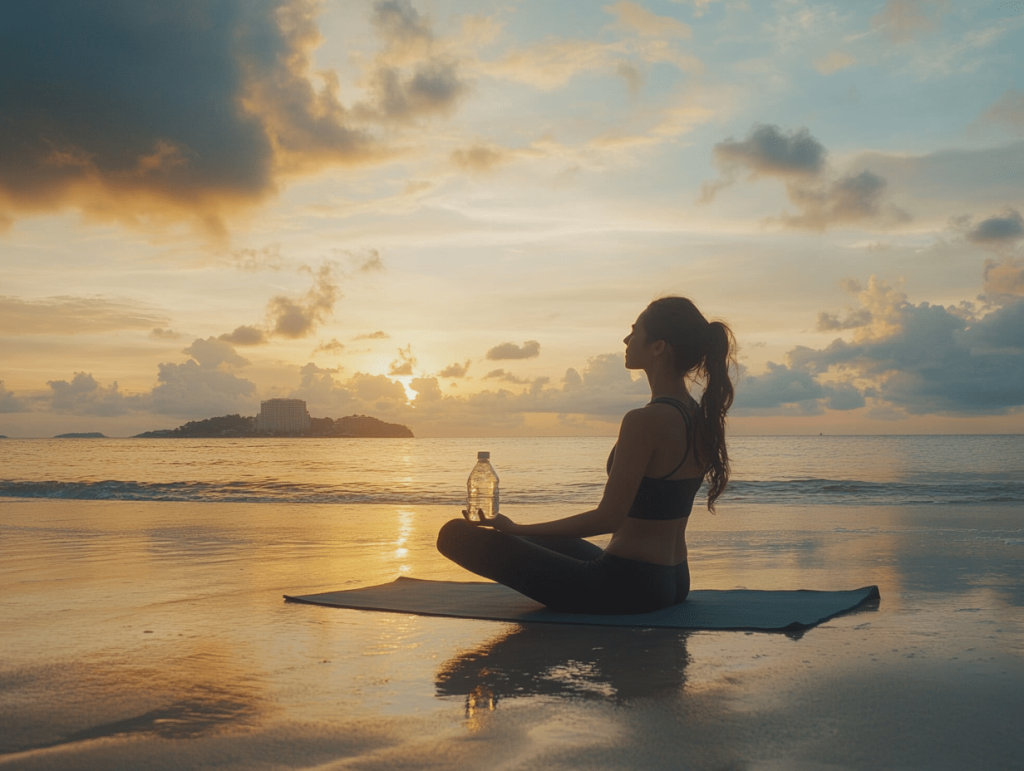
[655,529]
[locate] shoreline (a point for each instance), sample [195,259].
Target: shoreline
[155,636]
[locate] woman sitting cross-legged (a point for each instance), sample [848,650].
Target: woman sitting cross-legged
[664,452]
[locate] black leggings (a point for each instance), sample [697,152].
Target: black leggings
[569,575]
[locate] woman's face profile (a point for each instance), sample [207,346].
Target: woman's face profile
[636,343]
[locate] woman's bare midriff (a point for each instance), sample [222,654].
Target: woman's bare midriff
[647,540]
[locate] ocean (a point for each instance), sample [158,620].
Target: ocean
[143,625]
[787,470]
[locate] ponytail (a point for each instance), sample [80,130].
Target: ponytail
[709,436]
[705,351]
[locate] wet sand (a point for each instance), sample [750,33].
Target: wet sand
[153,635]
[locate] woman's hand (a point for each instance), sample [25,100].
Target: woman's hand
[502,523]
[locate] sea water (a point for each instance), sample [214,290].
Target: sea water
[542,472]
[142,621]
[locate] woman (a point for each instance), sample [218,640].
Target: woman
[664,452]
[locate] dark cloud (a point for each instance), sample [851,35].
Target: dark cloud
[9,402]
[998,231]
[455,370]
[934,359]
[405,362]
[508,377]
[529,350]
[783,386]
[299,317]
[410,78]
[770,151]
[800,160]
[73,315]
[245,335]
[84,396]
[851,199]
[378,335]
[140,111]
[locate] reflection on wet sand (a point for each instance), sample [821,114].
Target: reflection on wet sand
[609,664]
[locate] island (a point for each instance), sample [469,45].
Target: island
[86,435]
[239,426]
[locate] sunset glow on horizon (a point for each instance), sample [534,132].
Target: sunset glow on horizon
[447,214]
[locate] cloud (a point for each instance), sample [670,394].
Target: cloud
[410,78]
[480,157]
[295,318]
[211,353]
[1004,280]
[1008,109]
[998,231]
[245,335]
[636,18]
[84,396]
[192,390]
[202,386]
[372,263]
[164,334]
[405,362]
[768,150]
[9,402]
[850,199]
[254,260]
[455,370]
[378,335]
[833,62]
[603,389]
[148,112]
[927,359]
[901,21]
[331,346]
[797,389]
[529,350]
[633,77]
[500,374]
[66,315]
[799,160]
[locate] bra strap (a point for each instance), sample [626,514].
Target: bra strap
[686,419]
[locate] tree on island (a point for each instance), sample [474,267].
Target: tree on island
[245,426]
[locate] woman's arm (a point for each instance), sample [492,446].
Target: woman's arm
[632,455]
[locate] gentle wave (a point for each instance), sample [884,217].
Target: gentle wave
[792,492]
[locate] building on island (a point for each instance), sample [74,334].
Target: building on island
[282,416]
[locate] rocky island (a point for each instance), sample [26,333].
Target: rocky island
[353,426]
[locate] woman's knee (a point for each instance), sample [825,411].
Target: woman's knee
[451,535]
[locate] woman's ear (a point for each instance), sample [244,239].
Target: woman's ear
[658,347]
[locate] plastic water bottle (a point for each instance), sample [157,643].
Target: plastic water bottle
[482,490]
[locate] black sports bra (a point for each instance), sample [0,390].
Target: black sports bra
[663,498]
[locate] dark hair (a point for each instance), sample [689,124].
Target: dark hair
[703,350]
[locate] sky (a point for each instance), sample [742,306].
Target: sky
[448,214]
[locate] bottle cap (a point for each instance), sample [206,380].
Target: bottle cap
[483,456]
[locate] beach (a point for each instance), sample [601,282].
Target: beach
[153,634]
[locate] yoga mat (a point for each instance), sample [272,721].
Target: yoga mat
[733,609]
